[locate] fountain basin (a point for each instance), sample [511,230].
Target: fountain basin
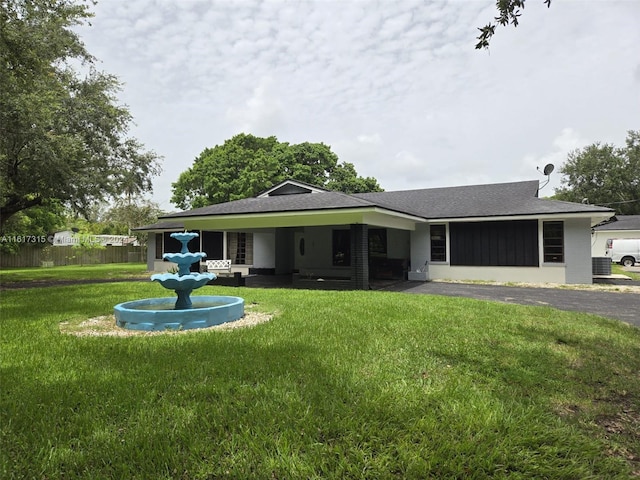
[153,314]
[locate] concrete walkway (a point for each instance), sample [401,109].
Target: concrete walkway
[615,305]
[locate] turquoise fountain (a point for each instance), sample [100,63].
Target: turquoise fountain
[153,314]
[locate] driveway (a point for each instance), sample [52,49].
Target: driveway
[615,305]
[619,306]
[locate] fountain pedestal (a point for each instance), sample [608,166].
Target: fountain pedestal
[183,282]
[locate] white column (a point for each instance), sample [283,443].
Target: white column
[224,245]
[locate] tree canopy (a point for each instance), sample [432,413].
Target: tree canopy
[509,12]
[63,136]
[604,175]
[246,165]
[125,216]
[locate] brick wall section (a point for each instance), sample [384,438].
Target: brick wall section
[360,257]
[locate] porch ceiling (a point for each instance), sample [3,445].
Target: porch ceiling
[370,216]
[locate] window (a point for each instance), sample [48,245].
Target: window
[212,244]
[505,244]
[438,243]
[553,242]
[341,248]
[171,245]
[378,242]
[241,249]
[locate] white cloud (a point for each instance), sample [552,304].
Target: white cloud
[394,87]
[373,139]
[565,142]
[262,114]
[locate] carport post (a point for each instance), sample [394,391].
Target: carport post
[360,256]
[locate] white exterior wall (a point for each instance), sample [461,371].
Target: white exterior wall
[420,248]
[416,244]
[546,274]
[161,266]
[599,239]
[577,250]
[264,249]
[151,252]
[575,269]
[599,242]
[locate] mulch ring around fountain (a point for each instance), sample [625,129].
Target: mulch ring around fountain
[105,326]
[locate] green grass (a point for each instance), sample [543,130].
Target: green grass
[73,272]
[616,268]
[337,385]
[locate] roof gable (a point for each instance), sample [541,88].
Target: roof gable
[290,187]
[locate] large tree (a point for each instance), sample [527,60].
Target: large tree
[509,12]
[246,165]
[127,215]
[33,226]
[603,174]
[63,136]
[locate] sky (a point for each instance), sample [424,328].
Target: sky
[394,87]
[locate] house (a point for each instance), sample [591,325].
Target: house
[620,226]
[499,232]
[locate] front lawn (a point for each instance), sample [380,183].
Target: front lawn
[616,268]
[337,385]
[109,271]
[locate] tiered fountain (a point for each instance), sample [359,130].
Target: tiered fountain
[163,314]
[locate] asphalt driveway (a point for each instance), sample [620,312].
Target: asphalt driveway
[615,305]
[619,306]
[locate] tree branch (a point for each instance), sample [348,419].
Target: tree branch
[509,13]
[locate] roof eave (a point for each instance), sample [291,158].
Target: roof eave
[338,216]
[157,227]
[596,217]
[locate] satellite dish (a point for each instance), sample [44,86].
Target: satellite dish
[548,168]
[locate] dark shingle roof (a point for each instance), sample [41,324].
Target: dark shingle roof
[622,222]
[279,203]
[502,199]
